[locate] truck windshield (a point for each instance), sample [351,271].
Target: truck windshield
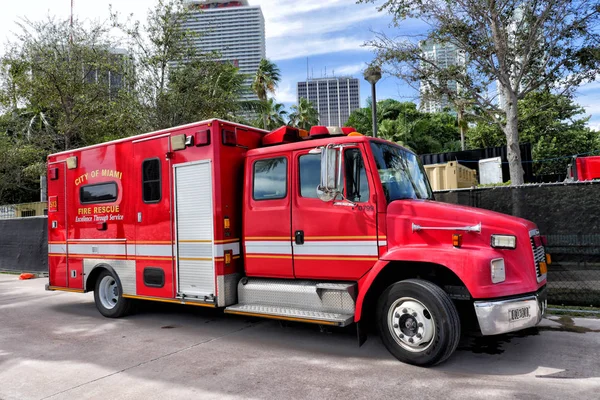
[401,173]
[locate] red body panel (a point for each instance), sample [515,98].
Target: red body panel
[588,168]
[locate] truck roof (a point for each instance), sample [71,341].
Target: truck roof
[311,143]
[150,134]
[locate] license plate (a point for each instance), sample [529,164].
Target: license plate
[518,313]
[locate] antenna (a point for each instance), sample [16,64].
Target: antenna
[306,68]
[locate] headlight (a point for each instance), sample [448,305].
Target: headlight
[504,242]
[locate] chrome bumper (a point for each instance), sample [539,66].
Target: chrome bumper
[494,316]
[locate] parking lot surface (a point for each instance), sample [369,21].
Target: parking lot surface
[55,345]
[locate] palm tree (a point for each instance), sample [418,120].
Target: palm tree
[304,115]
[265,81]
[274,113]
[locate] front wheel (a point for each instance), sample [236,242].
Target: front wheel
[108,295]
[418,323]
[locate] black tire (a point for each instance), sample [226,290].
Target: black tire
[397,324]
[112,305]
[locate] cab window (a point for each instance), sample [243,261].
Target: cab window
[357,185]
[270,179]
[310,175]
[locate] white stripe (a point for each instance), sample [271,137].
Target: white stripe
[57,248]
[383,242]
[156,250]
[101,249]
[268,247]
[220,249]
[335,248]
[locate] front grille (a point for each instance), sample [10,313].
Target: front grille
[539,255]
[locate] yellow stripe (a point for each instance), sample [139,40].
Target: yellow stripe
[65,289]
[310,321]
[102,256]
[160,300]
[336,258]
[151,258]
[227,241]
[267,238]
[236,257]
[267,256]
[195,258]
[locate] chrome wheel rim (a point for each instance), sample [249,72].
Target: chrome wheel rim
[411,324]
[108,291]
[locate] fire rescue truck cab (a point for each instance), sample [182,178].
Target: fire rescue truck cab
[328,227]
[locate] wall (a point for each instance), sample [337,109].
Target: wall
[24,244]
[569,214]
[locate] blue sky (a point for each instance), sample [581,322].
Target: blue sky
[331,33]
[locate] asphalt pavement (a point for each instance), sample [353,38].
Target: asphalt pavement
[55,345]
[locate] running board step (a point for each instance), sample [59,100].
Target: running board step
[291,314]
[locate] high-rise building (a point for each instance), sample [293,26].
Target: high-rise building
[235,29]
[334,98]
[443,55]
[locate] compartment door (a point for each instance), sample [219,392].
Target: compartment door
[57,225]
[195,229]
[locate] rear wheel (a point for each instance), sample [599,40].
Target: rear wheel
[418,323]
[108,296]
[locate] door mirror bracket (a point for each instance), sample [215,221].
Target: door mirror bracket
[331,173]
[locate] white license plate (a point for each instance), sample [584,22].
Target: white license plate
[518,313]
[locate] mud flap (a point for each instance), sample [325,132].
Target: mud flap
[361,334]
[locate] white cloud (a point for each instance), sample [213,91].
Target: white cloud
[286,93]
[350,69]
[284,50]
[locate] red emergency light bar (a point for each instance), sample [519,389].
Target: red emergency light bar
[285,134]
[288,134]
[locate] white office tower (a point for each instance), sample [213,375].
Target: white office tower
[333,98]
[443,55]
[233,28]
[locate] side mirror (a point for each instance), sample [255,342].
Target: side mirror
[331,174]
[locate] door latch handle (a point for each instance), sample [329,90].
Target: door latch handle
[140,216]
[299,236]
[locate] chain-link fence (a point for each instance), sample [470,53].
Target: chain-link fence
[24,210]
[569,214]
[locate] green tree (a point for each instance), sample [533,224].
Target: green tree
[521,45]
[555,126]
[56,81]
[304,115]
[265,81]
[402,123]
[274,113]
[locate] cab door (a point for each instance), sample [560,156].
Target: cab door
[267,217]
[153,229]
[335,239]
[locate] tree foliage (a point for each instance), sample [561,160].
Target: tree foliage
[520,46]
[554,125]
[402,123]
[65,87]
[304,115]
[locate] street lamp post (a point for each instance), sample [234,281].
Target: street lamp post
[372,75]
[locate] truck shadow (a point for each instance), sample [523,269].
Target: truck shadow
[526,352]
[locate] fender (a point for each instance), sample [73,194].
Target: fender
[93,272]
[471,265]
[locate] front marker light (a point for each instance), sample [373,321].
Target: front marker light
[498,271]
[504,242]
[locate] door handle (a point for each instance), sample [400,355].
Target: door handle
[140,216]
[299,236]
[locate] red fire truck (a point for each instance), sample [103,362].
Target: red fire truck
[328,227]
